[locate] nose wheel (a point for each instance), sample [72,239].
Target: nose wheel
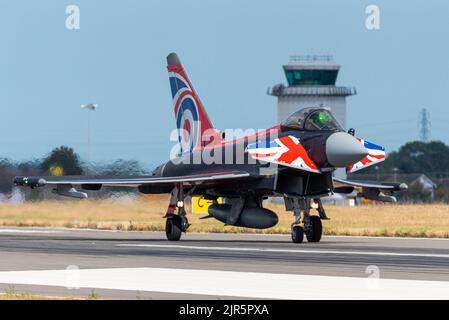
[307,224]
[313,228]
[297,234]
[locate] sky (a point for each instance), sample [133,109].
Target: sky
[232,51]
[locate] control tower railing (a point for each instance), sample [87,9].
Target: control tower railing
[310,58]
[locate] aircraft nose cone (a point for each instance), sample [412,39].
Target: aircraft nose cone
[343,150]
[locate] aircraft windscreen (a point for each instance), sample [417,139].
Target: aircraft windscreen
[321,120]
[312,119]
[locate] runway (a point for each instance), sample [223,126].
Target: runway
[143,265]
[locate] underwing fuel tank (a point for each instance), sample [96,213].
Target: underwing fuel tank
[256,218]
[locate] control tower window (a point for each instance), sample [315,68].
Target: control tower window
[311,77]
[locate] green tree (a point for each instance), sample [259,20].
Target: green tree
[65,158]
[122,167]
[430,158]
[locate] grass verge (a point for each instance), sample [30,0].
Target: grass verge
[146,214]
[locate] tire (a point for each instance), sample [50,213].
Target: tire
[173,228]
[297,234]
[314,230]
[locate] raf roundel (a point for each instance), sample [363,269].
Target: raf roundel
[187,123]
[186,110]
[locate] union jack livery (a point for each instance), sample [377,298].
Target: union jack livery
[307,147]
[287,151]
[191,118]
[375,155]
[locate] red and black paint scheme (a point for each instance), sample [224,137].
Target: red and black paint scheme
[294,160]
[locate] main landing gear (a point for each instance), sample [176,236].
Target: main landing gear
[178,223]
[311,226]
[173,228]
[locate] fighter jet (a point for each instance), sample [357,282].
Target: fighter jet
[294,161]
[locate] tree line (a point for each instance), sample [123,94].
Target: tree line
[416,158]
[64,160]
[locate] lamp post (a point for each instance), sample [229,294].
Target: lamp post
[395,176]
[89,107]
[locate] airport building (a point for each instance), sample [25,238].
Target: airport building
[311,82]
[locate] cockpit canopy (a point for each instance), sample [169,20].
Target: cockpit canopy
[312,119]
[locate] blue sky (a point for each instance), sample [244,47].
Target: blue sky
[232,50]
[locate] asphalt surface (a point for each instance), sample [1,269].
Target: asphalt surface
[25,249]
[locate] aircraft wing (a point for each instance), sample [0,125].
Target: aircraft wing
[372,190]
[375,155]
[387,186]
[95,182]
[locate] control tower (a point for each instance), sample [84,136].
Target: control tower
[311,83]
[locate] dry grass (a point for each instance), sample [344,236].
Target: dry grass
[147,214]
[26,296]
[11,294]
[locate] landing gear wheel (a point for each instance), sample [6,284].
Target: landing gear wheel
[173,228]
[314,229]
[297,234]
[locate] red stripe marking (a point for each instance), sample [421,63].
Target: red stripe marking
[265,133]
[380,156]
[295,151]
[262,155]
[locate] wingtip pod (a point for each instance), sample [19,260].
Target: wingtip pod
[31,182]
[403,186]
[376,154]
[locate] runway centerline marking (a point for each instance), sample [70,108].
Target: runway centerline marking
[273,250]
[27,231]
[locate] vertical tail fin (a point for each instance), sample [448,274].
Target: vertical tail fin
[191,117]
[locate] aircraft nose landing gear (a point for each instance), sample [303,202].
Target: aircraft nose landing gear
[297,234]
[313,228]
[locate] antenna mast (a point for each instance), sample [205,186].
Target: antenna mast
[424,125]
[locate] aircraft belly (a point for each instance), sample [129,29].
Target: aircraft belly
[294,182]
